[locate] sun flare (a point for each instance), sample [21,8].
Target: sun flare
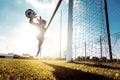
[23,40]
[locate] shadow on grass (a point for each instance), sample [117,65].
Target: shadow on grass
[98,64]
[63,73]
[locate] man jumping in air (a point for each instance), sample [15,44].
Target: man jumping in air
[41,26]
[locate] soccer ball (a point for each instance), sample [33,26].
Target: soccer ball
[30,13]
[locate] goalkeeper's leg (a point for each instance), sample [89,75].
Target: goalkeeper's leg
[39,47]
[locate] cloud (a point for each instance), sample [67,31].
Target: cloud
[2,38]
[48,5]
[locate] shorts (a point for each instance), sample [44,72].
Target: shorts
[40,38]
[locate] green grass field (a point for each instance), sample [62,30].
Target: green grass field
[19,69]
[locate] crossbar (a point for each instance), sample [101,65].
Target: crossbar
[54,13]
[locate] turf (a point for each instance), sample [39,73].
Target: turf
[20,69]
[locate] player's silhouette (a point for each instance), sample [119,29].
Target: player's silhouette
[40,24]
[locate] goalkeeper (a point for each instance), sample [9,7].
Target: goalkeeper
[41,26]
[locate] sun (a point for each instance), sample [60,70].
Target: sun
[23,40]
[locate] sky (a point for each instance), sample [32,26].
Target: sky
[16,34]
[114,15]
[14,26]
